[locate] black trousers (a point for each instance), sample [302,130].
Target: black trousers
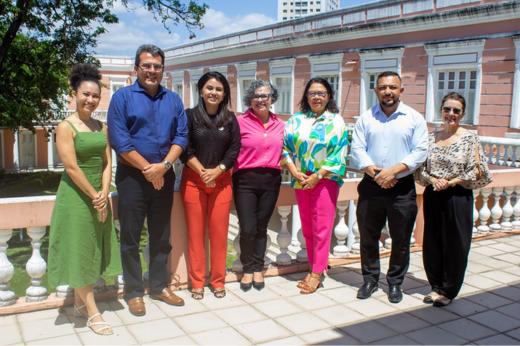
[375,205]
[448,226]
[255,191]
[138,198]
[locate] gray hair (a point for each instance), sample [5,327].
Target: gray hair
[257,83]
[148,48]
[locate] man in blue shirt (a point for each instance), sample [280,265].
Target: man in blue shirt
[389,142]
[148,130]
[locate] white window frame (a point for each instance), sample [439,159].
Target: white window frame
[195,75]
[515,105]
[326,65]
[376,62]
[245,71]
[282,68]
[164,81]
[220,69]
[117,81]
[178,79]
[453,56]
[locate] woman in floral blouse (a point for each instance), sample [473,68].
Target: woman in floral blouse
[315,150]
[456,164]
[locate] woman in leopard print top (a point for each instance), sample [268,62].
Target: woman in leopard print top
[450,172]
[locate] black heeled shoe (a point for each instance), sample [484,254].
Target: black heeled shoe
[259,285]
[246,287]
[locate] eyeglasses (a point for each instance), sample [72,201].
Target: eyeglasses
[456,110]
[146,66]
[321,94]
[263,97]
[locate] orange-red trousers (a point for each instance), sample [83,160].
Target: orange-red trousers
[204,206]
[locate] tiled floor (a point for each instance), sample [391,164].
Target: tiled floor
[487,312]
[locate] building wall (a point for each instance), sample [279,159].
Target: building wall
[8,149]
[42,148]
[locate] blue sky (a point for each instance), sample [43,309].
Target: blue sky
[222,17]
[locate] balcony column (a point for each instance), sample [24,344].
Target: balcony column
[16,152]
[356,245]
[351,220]
[484,213]
[301,256]
[296,225]
[507,210]
[475,212]
[516,209]
[50,150]
[341,231]
[36,266]
[7,297]
[284,237]
[496,211]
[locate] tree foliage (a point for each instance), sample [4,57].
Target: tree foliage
[42,39]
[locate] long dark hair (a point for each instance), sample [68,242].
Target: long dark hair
[200,115]
[331,105]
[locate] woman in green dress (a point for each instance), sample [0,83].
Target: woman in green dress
[83,242]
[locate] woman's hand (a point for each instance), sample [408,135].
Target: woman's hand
[211,184]
[100,200]
[103,213]
[209,175]
[310,182]
[300,177]
[440,184]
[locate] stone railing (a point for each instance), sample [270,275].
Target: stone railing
[501,151]
[497,209]
[98,114]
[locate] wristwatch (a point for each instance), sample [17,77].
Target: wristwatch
[222,167]
[167,164]
[319,175]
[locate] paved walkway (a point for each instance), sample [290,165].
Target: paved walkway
[487,312]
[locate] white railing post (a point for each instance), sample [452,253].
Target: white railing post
[7,297]
[284,237]
[496,211]
[507,210]
[64,291]
[237,264]
[301,256]
[356,245]
[484,212]
[516,208]
[341,231]
[296,225]
[476,192]
[36,266]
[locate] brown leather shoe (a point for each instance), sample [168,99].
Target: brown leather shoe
[136,306]
[168,297]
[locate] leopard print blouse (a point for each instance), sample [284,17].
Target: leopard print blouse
[456,160]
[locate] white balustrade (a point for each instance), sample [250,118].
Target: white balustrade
[516,209]
[301,256]
[496,211]
[64,291]
[507,210]
[501,151]
[341,231]
[237,264]
[284,237]
[484,212]
[36,266]
[267,260]
[7,297]
[100,285]
[356,245]
[351,220]
[476,192]
[296,225]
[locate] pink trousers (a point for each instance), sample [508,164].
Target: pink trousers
[317,213]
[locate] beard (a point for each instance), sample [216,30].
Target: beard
[391,103]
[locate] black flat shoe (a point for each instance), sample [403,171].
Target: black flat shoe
[441,301]
[246,287]
[395,295]
[366,290]
[258,285]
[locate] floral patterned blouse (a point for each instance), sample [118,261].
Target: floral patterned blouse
[456,160]
[316,142]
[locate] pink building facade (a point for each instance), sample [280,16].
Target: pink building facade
[437,46]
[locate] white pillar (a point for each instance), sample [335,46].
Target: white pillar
[7,297]
[496,211]
[296,225]
[301,256]
[352,218]
[475,212]
[284,238]
[516,209]
[16,152]
[36,266]
[507,210]
[119,281]
[341,231]
[484,212]
[50,150]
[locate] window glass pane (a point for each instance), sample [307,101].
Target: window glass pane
[472,84]
[462,84]
[451,75]
[473,75]
[462,75]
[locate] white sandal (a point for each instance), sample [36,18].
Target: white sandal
[77,313]
[97,331]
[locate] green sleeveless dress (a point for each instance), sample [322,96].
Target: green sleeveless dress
[81,247]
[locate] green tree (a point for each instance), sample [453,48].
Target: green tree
[42,39]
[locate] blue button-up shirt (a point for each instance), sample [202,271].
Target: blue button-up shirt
[149,125]
[386,141]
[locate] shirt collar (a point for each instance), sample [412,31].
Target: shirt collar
[138,88]
[250,113]
[399,110]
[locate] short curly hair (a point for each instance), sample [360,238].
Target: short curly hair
[82,73]
[257,83]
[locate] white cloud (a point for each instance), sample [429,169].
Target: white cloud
[217,23]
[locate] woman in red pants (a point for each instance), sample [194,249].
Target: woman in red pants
[206,181]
